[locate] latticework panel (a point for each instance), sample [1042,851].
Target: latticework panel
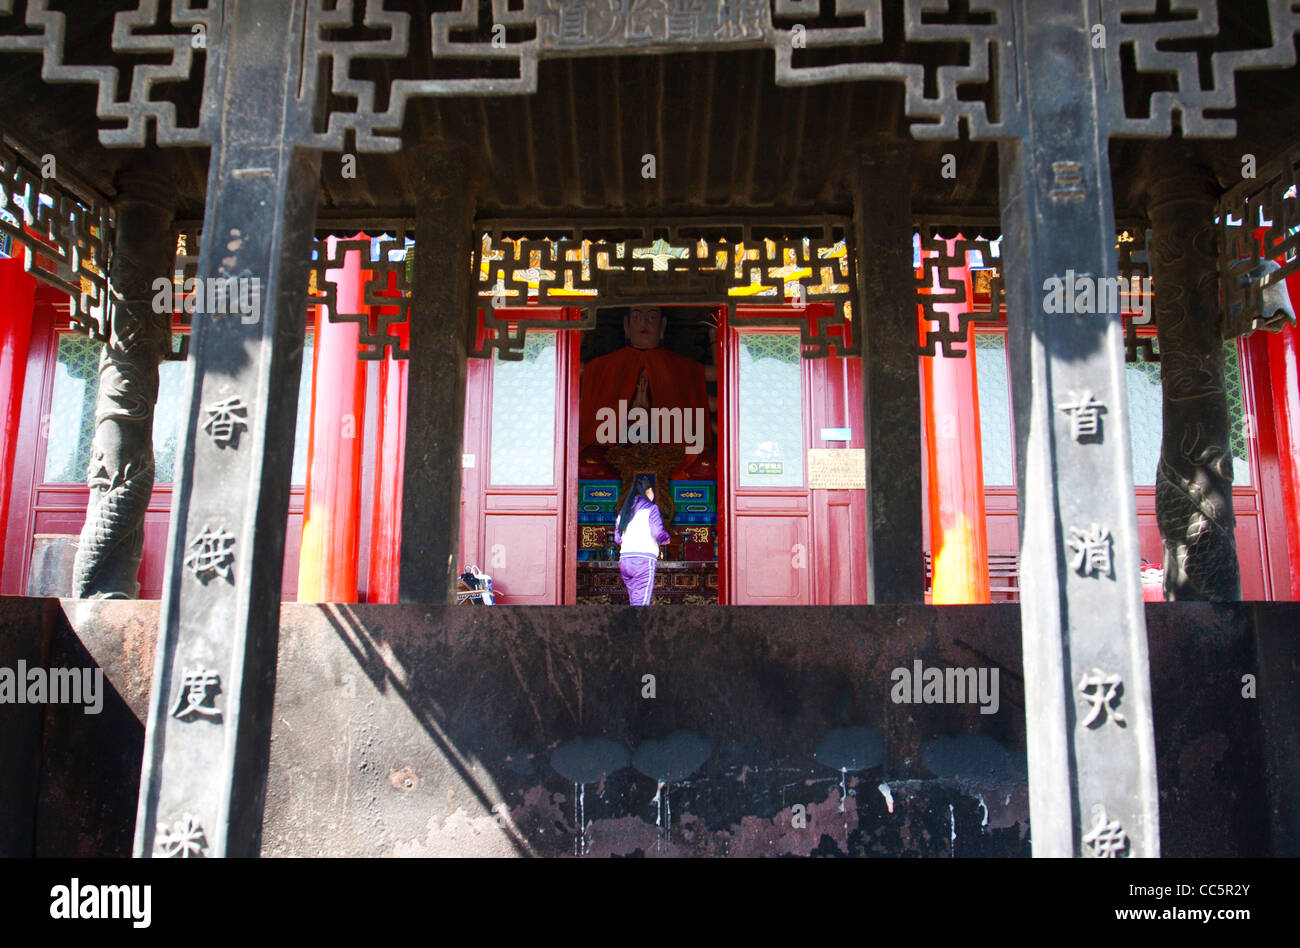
[1259,221]
[66,240]
[949,302]
[959,68]
[386,286]
[644,263]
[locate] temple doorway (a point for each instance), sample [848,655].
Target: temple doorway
[764,501]
[648,405]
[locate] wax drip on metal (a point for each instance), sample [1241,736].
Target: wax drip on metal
[578,815]
[844,795]
[661,800]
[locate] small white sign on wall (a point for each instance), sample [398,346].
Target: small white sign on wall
[467,460]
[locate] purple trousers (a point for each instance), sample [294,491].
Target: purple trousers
[638,572]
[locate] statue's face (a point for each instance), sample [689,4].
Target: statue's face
[645,327]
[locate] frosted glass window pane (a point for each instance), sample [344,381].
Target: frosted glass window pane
[1145,420]
[72,414]
[995,410]
[173,407]
[523,414]
[771,445]
[72,410]
[168,419]
[1145,414]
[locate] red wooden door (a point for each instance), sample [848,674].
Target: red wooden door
[516,478]
[784,543]
[839,516]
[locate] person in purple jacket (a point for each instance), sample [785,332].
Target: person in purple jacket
[639,534]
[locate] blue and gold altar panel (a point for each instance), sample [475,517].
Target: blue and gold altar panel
[598,501]
[695,502]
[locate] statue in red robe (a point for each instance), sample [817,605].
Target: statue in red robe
[645,410]
[646,376]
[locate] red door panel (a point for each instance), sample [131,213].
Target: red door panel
[527,560]
[839,516]
[472,553]
[770,549]
[840,522]
[794,545]
[518,533]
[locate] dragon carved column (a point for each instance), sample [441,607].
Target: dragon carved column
[121,471]
[1194,478]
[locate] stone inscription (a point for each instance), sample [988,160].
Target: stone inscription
[196,694]
[1102,693]
[1107,839]
[226,419]
[184,840]
[570,24]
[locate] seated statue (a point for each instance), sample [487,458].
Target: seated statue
[645,375]
[644,409]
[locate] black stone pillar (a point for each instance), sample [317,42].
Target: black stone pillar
[1194,479]
[121,471]
[207,745]
[891,393]
[1089,730]
[435,409]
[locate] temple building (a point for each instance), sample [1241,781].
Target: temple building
[521,440]
[957,341]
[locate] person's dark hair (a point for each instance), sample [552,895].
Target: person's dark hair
[642,484]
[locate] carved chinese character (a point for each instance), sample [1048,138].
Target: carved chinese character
[629,20]
[183,840]
[1091,550]
[1107,838]
[573,22]
[225,421]
[211,552]
[1084,413]
[738,19]
[684,19]
[1102,691]
[1067,181]
[194,693]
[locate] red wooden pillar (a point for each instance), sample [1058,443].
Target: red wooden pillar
[17,296]
[1284,372]
[327,568]
[959,549]
[386,522]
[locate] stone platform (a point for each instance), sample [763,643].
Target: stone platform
[409,730]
